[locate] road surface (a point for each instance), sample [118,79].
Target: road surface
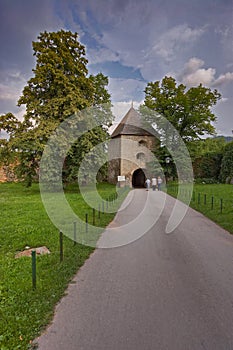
[161,292]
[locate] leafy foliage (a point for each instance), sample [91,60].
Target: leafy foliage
[226,174]
[59,88]
[178,114]
[207,166]
[207,157]
[83,151]
[187,110]
[211,145]
[60,85]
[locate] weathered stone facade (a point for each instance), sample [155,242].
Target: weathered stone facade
[130,150]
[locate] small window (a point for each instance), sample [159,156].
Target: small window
[142,143]
[140,156]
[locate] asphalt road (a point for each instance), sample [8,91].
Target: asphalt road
[161,292]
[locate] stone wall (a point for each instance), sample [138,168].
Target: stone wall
[114,165]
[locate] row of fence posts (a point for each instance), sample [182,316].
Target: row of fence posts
[187,193]
[109,201]
[205,201]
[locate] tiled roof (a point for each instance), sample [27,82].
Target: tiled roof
[132,124]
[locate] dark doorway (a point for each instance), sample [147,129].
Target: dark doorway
[138,179]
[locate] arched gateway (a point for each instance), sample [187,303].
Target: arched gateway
[130,150]
[138,178]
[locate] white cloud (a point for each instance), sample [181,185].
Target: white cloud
[175,39]
[20,114]
[126,89]
[11,85]
[225,33]
[223,79]
[101,55]
[166,48]
[224,99]
[6,93]
[193,64]
[224,117]
[9,92]
[193,74]
[131,34]
[204,76]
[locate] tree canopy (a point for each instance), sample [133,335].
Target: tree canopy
[210,145]
[188,110]
[59,88]
[60,85]
[179,115]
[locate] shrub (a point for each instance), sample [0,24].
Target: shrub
[205,180]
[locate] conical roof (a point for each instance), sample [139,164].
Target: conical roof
[132,124]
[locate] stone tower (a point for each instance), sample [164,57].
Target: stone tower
[130,150]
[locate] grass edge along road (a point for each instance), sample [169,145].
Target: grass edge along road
[215,201]
[24,312]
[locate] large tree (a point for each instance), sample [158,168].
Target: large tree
[179,115]
[188,110]
[59,88]
[60,85]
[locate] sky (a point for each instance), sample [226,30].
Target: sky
[132,42]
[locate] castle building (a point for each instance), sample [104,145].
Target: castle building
[130,150]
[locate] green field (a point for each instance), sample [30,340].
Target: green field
[215,201]
[24,222]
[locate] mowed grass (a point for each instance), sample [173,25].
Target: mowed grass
[215,201]
[24,222]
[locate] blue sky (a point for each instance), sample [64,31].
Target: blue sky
[133,42]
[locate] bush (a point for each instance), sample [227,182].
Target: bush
[205,180]
[226,172]
[208,166]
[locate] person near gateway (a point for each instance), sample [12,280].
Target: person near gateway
[147,184]
[154,183]
[159,183]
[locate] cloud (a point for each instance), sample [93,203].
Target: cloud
[21,23]
[127,28]
[146,37]
[8,93]
[11,86]
[176,39]
[126,89]
[224,79]
[224,117]
[148,49]
[225,34]
[223,99]
[101,55]
[20,113]
[193,74]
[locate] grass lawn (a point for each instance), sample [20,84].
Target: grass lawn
[24,222]
[215,201]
